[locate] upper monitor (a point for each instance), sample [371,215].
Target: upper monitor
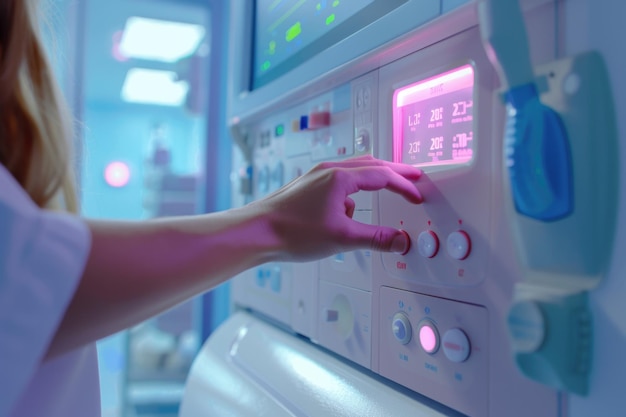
[289,32]
[283,49]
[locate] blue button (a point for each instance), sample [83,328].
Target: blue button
[260,277]
[276,284]
[401,328]
[276,279]
[304,122]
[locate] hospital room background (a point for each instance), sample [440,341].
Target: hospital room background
[510,300]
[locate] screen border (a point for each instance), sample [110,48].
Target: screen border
[364,17]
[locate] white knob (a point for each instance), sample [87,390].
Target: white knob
[456,345]
[459,245]
[428,244]
[527,326]
[362,142]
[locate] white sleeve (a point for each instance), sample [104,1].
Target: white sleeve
[42,256]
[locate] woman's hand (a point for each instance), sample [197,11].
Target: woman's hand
[312,215]
[138,269]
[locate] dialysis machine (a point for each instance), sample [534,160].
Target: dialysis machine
[455,325]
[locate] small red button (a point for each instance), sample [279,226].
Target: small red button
[319,119]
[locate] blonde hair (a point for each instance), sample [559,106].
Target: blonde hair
[35,123]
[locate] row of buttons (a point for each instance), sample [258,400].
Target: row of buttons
[455,343]
[266,178]
[458,244]
[312,121]
[270,276]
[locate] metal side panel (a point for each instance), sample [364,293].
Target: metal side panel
[250,368]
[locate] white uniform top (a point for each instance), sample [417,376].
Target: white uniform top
[42,256]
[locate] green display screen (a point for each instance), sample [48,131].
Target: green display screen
[289,32]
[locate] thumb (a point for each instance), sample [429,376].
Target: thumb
[383,239]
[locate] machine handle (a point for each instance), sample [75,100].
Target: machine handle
[504,39]
[536,142]
[538,157]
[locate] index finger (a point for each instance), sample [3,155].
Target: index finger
[378,177]
[407,171]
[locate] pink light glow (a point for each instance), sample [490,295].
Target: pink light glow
[457,79]
[117,174]
[428,339]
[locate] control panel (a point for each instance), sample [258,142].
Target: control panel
[431,342]
[332,126]
[434,128]
[432,319]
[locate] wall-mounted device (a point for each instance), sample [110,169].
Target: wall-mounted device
[561,168]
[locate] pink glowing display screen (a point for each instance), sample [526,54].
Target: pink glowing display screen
[433,120]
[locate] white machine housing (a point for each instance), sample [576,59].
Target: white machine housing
[381,312]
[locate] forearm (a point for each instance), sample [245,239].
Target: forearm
[138,269]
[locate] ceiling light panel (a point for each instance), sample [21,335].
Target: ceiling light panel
[154,87]
[159,40]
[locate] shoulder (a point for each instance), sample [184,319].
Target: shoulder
[13,198]
[42,256]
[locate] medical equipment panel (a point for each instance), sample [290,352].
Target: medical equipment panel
[437,347]
[434,128]
[432,319]
[461,254]
[283,145]
[435,322]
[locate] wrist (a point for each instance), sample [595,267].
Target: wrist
[260,233]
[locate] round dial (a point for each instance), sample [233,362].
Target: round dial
[459,245]
[428,244]
[401,328]
[456,345]
[527,326]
